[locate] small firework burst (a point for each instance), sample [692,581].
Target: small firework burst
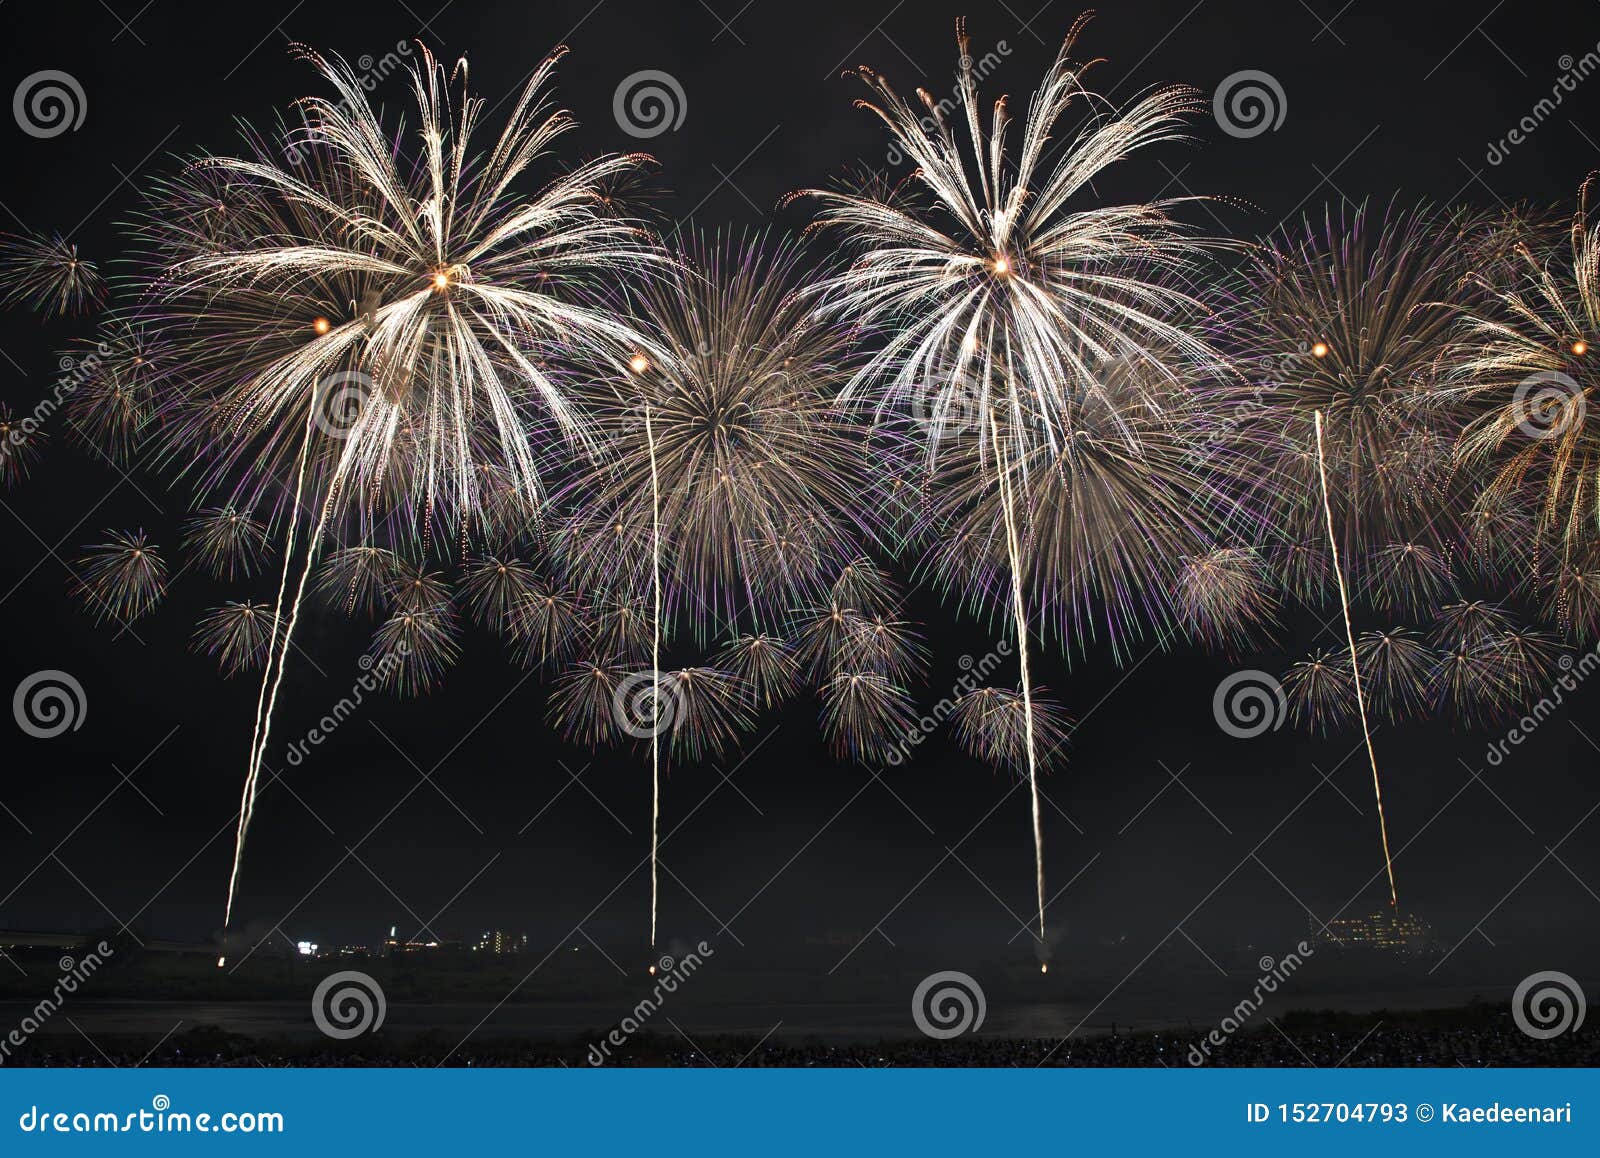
[1321,691]
[1303,569]
[825,637]
[237,634]
[496,591]
[764,664]
[113,400]
[122,578]
[889,647]
[865,716]
[623,627]
[992,725]
[1395,669]
[1501,540]
[1411,578]
[416,589]
[703,711]
[583,702]
[229,542]
[1468,682]
[413,648]
[864,586]
[546,626]
[1468,622]
[1525,660]
[47,275]
[360,579]
[1572,597]
[1225,597]
[20,447]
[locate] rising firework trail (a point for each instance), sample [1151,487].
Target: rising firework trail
[1020,608]
[1355,663]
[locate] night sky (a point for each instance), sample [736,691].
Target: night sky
[464,810]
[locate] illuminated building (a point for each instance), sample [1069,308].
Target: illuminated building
[1385,932]
[499,942]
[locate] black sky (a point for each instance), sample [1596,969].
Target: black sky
[129,818]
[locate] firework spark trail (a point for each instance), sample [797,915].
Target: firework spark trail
[1355,665]
[1020,609]
[655,671]
[247,802]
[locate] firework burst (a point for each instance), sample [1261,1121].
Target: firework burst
[991,724]
[1524,379]
[1320,692]
[1572,597]
[381,322]
[496,591]
[414,647]
[1411,578]
[114,399]
[415,588]
[237,634]
[546,626]
[1348,321]
[702,711]
[583,698]
[359,579]
[765,666]
[228,542]
[1397,665]
[47,275]
[122,578]
[20,447]
[864,715]
[728,464]
[1225,595]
